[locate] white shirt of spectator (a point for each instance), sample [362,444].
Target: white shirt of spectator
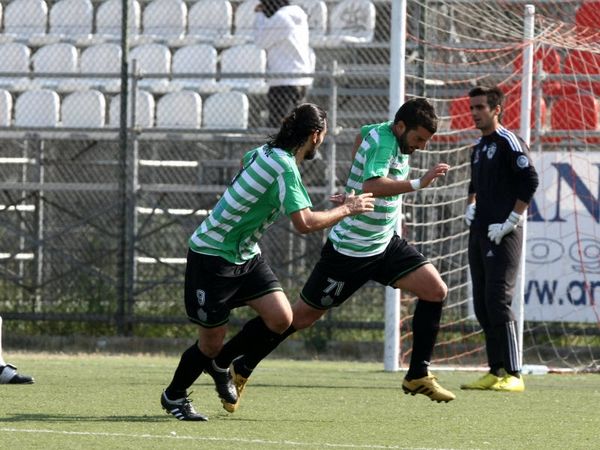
[284,36]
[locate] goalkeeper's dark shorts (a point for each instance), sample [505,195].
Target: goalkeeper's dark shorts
[214,286]
[336,276]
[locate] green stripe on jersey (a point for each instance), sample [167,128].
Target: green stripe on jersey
[378,156]
[268,185]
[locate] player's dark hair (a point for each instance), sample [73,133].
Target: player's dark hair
[493,95]
[417,112]
[297,126]
[270,7]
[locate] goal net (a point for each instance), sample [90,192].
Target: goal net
[451,47]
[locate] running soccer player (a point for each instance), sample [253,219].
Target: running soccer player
[225,269]
[365,247]
[503,181]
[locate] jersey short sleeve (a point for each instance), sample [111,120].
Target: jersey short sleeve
[295,197]
[379,137]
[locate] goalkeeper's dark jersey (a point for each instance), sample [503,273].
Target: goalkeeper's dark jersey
[501,173]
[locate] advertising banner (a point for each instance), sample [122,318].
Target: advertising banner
[562,275]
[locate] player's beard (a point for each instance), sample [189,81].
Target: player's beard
[403,143]
[311,154]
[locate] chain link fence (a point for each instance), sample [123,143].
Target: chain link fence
[99,196]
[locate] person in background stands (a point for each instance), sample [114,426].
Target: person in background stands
[282,30]
[503,181]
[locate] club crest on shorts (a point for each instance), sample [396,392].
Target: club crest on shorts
[201,297]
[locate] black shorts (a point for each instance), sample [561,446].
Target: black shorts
[214,286]
[336,276]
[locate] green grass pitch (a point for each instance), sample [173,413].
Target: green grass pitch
[112,402]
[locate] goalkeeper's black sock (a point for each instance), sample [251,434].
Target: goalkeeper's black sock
[191,365]
[425,325]
[496,370]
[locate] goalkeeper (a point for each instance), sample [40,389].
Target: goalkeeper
[503,181]
[365,247]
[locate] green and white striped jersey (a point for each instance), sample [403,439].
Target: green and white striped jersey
[268,185]
[378,156]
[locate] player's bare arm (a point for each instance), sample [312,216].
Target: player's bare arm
[307,221]
[383,186]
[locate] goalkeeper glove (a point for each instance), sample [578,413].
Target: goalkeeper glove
[470,214]
[496,231]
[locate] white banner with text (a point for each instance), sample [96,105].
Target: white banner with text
[562,276]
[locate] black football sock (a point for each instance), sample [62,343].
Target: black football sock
[246,364]
[239,344]
[496,370]
[191,365]
[254,342]
[425,325]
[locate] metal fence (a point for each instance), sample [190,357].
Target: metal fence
[99,196]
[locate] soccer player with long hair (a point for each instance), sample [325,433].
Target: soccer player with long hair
[225,269]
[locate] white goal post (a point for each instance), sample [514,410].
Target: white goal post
[548,65]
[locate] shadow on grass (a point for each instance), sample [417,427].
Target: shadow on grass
[391,386]
[58,418]
[15,418]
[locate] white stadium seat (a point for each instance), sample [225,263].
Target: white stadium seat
[152,59]
[164,21]
[84,109]
[179,110]
[243,24]
[14,57]
[144,110]
[26,20]
[209,21]
[245,58]
[108,20]
[351,22]
[38,108]
[60,58]
[191,60]
[6,104]
[226,110]
[316,10]
[101,59]
[71,21]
